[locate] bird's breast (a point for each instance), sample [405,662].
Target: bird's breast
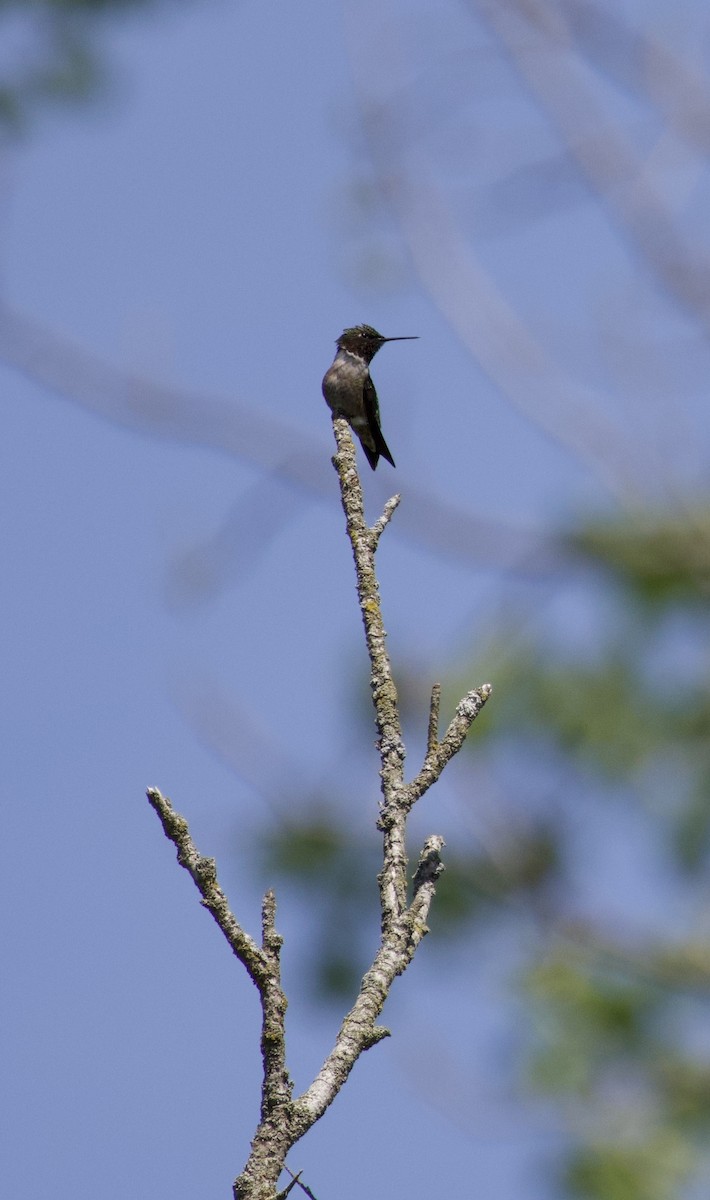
[343,385]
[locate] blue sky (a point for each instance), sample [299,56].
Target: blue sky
[198,226]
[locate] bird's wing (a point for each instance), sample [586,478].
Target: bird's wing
[372,412]
[372,406]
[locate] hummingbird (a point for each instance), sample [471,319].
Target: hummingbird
[350,392]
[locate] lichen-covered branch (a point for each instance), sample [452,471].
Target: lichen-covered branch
[272,1140]
[397,797]
[441,753]
[393,877]
[204,875]
[284,1119]
[432,739]
[403,925]
[364,543]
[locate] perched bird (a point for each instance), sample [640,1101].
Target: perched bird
[350,392]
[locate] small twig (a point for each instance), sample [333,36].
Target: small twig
[289,1187]
[430,866]
[381,524]
[465,714]
[297,1179]
[204,874]
[432,740]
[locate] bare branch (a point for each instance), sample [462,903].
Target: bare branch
[358,1031]
[271,1142]
[466,712]
[393,878]
[430,866]
[296,1179]
[379,527]
[204,875]
[403,925]
[287,1190]
[432,740]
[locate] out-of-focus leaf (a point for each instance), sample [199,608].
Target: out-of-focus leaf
[525,862]
[598,715]
[73,76]
[57,59]
[660,558]
[654,1169]
[692,829]
[319,857]
[11,116]
[685,1090]
[306,851]
[587,1022]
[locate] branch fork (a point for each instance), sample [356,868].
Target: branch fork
[284,1119]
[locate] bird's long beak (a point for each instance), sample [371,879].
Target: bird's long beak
[411,338]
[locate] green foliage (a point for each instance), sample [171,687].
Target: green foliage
[602,1036]
[612,718]
[653,1170]
[587,1022]
[684,1087]
[615,727]
[320,859]
[607,1017]
[473,883]
[596,714]
[661,558]
[56,59]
